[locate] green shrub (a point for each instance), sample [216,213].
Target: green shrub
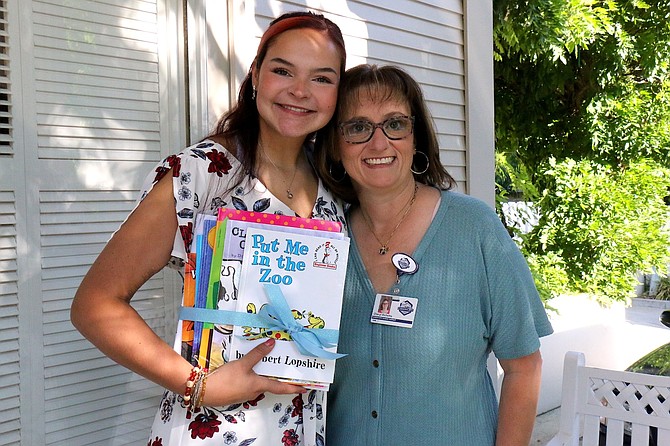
[598,226]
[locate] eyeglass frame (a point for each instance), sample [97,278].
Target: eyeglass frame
[375,126]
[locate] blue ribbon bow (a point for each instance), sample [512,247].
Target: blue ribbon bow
[275,316]
[310,341]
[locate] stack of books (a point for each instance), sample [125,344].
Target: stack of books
[265,275]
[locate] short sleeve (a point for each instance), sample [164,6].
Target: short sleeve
[517,317]
[201,175]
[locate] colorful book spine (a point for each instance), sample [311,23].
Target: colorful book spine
[205,238]
[189,301]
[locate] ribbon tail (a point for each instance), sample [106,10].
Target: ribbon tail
[308,346]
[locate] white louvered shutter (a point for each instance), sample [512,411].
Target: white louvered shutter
[5,103]
[102,105]
[9,303]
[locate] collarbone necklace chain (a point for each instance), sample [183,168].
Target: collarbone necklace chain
[289,193]
[384,246]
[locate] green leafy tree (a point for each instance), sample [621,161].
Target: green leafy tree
[602,224]
[582,96]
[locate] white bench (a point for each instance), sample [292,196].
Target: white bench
[591,395]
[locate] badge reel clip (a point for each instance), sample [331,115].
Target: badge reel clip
[403,309]
[404,264]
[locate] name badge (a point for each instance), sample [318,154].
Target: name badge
[397,311]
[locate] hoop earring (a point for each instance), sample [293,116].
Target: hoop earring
[337,180]
[425,169]
[253,92]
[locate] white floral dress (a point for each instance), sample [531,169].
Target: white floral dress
[202,176]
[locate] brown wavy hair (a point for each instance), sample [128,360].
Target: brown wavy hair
[384,83]
[241,124]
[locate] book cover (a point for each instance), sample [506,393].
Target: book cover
[278,220]
[309,272]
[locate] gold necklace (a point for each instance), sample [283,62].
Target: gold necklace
[289,194]
[385,246]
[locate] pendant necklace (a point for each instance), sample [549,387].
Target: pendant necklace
[289,194]
[385,245]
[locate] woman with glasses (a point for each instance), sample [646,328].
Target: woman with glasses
[259,158]
[459,284]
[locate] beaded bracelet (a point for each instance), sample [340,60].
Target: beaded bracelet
[194,378]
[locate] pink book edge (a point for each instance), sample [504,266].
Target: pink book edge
[280,220]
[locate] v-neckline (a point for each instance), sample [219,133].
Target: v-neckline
[424,243]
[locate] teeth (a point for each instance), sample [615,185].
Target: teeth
[377,161]
[296,109]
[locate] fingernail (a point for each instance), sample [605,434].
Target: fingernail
[270,342]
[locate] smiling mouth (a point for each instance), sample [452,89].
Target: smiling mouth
[295,109]
[379,161]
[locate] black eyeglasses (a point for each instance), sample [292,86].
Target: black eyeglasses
[360,131]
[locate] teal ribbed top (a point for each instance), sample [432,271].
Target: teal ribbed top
[429,385]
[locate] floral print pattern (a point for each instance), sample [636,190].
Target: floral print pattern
[205,424]
[290,438]
[219,163]
[156,442]
[202,177]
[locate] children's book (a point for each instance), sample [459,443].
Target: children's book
[222,254]
[305,274]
